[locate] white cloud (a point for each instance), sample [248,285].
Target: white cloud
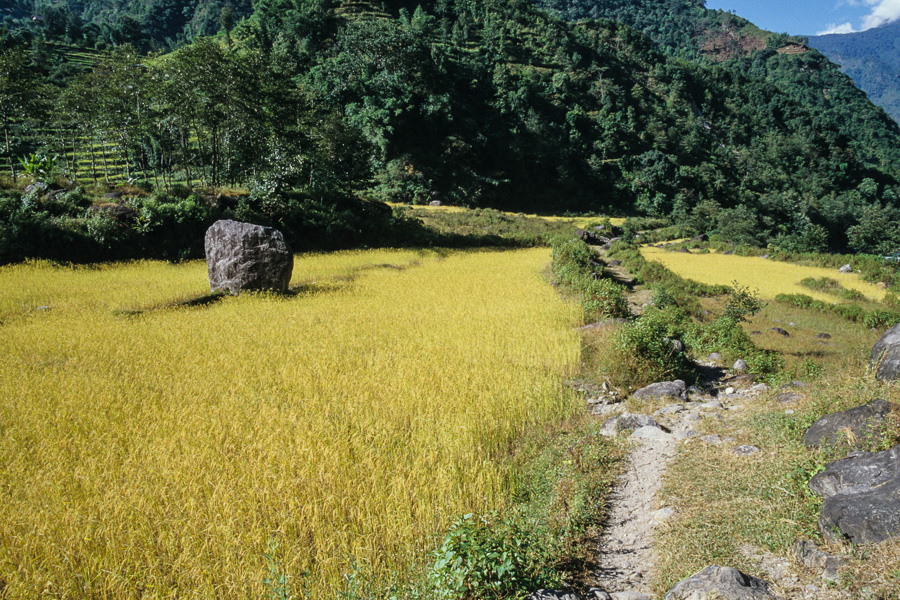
[885,11]
[834,28]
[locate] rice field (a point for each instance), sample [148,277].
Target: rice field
[153,449]
[769,277]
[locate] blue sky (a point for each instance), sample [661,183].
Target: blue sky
[811,17]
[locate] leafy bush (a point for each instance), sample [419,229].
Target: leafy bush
[482,558]
[603,298]
[643,351]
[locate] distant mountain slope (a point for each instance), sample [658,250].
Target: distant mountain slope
[872,59]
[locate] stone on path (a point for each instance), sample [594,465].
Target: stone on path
[627,422]
[664,389]
[854,427]
[651,432]
[553,595]
[242,256]
[739,366]
[720,583]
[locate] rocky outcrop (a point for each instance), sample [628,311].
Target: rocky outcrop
[862,497]
[664,389]
[720,583]
[855,427]
[885,358]
[241,256]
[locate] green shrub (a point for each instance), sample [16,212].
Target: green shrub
[482,558]
[643,352]
[603,298]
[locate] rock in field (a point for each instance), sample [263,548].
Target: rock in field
[241,256]
[664,389]
[862,497]
[885,356]
[780,331]
[854,427]
[846,269]
[826,565]
[720,583]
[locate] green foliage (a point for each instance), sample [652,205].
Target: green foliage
[742,303]
[645,346]
[572,265]
[482,558]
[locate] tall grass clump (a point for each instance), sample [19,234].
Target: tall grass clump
[574,268]
[265,444]
[877,318]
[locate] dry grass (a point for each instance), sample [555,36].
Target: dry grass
[159,453]
[770,277]
[725,502]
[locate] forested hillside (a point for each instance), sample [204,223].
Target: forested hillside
[146,24]
[485,103]
[871,58]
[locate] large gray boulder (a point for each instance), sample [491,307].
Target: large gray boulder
[855,427]
[862,497]
[720,583]
[664,389]
[885,358]
[241,256]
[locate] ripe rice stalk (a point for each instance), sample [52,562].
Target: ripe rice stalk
[153,449]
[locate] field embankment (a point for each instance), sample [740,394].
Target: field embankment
[151,447]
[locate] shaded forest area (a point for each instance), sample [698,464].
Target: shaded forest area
[698,116]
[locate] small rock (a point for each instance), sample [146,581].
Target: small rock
[663,514]
[786,397]
[552,595]
[670,409]
[630,596]
[675,389]
[739,366]
[686,435]
[627,422]
[598,594]
[827,566]
[651,432]
[822,336]
[756,332]
[846,269]
[760,388]
[789,411]
[745,450]
[434,203]
[729,391]
[780,331]
[712,404]
[715,356]
[714,439]
[722,583]
[792,324]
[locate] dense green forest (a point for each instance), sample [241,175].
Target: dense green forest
[872,59]
[470,102]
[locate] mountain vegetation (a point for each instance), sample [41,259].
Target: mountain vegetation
[871,58]
[661,108]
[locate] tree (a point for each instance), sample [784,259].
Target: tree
[18,97]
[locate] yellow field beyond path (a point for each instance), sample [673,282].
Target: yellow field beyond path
[153,449]
[770,277]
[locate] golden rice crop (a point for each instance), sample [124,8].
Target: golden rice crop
[159,453]
[770,277]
